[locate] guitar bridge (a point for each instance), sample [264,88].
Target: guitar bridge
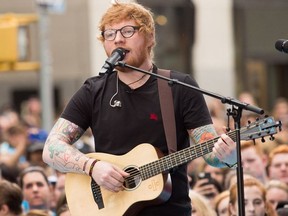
[97,195]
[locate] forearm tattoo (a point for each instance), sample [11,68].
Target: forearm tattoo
[64,157]
[201,135]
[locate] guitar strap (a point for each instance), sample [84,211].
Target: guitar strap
[167,110]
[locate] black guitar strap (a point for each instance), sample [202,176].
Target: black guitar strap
[167,110]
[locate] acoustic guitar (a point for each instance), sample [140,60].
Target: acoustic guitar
[149,181]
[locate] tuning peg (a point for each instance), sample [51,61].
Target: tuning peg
[280,127]
[271,138]
[262,139]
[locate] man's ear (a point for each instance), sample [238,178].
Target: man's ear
[4,209]
[150,40]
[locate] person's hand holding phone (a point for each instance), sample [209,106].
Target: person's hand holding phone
[205,185]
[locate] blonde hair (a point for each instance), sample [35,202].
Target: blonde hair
[277,184]
[201,204]
[219,198]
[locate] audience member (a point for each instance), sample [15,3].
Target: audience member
[231,178]
[34,158]
[218,114]
[34,154]
[31,112]
[36,188]
[248,97]
[63,211]
[8,118]
[221,203]
[219,124]
[216,108]
[216,173]
[59,191]
[277,191]
[61,202]
[38,212]
[254,161]
[200,205]
[208,181]
[278,163]
[255,199]
[9,173]
[12,152]
[280,112]
[11,198]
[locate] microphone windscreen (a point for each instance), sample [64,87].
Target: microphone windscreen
[282,45]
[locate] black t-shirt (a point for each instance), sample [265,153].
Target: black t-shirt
[117,130]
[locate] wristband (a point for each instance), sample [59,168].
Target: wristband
[85,164]
[92,166]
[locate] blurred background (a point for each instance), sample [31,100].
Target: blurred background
[48,48]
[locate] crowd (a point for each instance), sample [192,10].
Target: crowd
[265,168]
[30,187]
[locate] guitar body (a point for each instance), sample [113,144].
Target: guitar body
[153,190]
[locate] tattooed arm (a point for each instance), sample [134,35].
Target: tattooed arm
[224,151]
[61,155]
[59,152]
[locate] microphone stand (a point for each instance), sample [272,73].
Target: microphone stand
[236,113]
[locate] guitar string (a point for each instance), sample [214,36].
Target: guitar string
[148,166]
[196,148]
[130,178]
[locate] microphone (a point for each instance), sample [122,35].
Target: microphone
[282,45]
[117,55]
[116,103]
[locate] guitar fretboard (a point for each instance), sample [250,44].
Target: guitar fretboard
[180,157]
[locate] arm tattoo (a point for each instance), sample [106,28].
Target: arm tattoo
[63,156]
[201,135]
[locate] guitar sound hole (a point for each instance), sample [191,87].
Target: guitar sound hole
[134,180]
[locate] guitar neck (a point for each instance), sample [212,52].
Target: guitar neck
[183,156]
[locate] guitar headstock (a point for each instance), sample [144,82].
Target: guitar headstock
[260,129]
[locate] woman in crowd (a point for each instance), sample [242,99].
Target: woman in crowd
[200,205]
[277,191]
[255,199]
[221,203]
